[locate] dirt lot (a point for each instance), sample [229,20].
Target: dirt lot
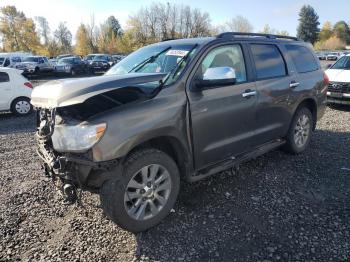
[277,207]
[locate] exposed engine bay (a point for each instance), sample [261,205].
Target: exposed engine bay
[64,105]
[70,171]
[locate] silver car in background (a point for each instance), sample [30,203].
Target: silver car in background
[35,65]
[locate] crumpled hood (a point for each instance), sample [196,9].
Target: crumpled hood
[338,75]
[65,92]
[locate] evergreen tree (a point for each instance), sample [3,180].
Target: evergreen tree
[308,24]
[114,26]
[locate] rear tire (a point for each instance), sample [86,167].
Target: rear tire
[300,131]
[21,106]
[144,193]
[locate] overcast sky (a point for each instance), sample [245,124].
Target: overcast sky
[280,15]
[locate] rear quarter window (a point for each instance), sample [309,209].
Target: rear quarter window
[268,61]
[303,58]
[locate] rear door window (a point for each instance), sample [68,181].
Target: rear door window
[16,59]
[302,58]
[4,77]
[268,61]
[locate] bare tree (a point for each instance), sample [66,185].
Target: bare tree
[201,24]
[64,37]
[44,29]
[162,21]
[93,33]
[269,30]
[239,24]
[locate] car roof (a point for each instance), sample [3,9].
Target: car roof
[65,55]
[69,57]
[232,36]
[185,41]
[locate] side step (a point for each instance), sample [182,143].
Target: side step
[233,161]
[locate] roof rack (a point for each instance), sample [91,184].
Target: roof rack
[269,36]
[168,39]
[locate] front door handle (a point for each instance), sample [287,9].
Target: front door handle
[248,93]
[294,84]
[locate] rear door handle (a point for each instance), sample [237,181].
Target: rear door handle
[294,84]
[248,93]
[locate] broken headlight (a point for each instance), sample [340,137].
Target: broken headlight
[78,138]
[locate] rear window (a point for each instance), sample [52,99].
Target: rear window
[4,77]
[302,57]
[268,61]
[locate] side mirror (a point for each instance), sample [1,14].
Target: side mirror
[329,65]
[217,76]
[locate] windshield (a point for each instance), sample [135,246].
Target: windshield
[342,63]
[163,63]
[65,61]
[89,57]
[31,59]
[100,57]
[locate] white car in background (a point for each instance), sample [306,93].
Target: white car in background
[333,56]
[339,81]
[15,92]
[12,59]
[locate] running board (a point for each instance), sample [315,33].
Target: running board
[233,161]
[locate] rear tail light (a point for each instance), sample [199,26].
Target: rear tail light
[325,79]
[28,84]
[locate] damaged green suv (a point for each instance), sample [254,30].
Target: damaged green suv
[179,109]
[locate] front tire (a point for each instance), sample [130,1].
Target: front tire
[73,72]
[145,193]
[300,131]
[21,106]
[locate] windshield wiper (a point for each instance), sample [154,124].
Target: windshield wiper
[148,60]
[177,67]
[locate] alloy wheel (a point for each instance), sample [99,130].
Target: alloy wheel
[147,192]
[302,131]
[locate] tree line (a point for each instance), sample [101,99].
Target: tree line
[153,23]
[330,37]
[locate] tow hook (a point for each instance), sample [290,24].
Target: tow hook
[69,194]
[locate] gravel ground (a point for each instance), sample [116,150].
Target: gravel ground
[277,207]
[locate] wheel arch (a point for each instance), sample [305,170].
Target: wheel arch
[16,98]
[172,147]
[310,104]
